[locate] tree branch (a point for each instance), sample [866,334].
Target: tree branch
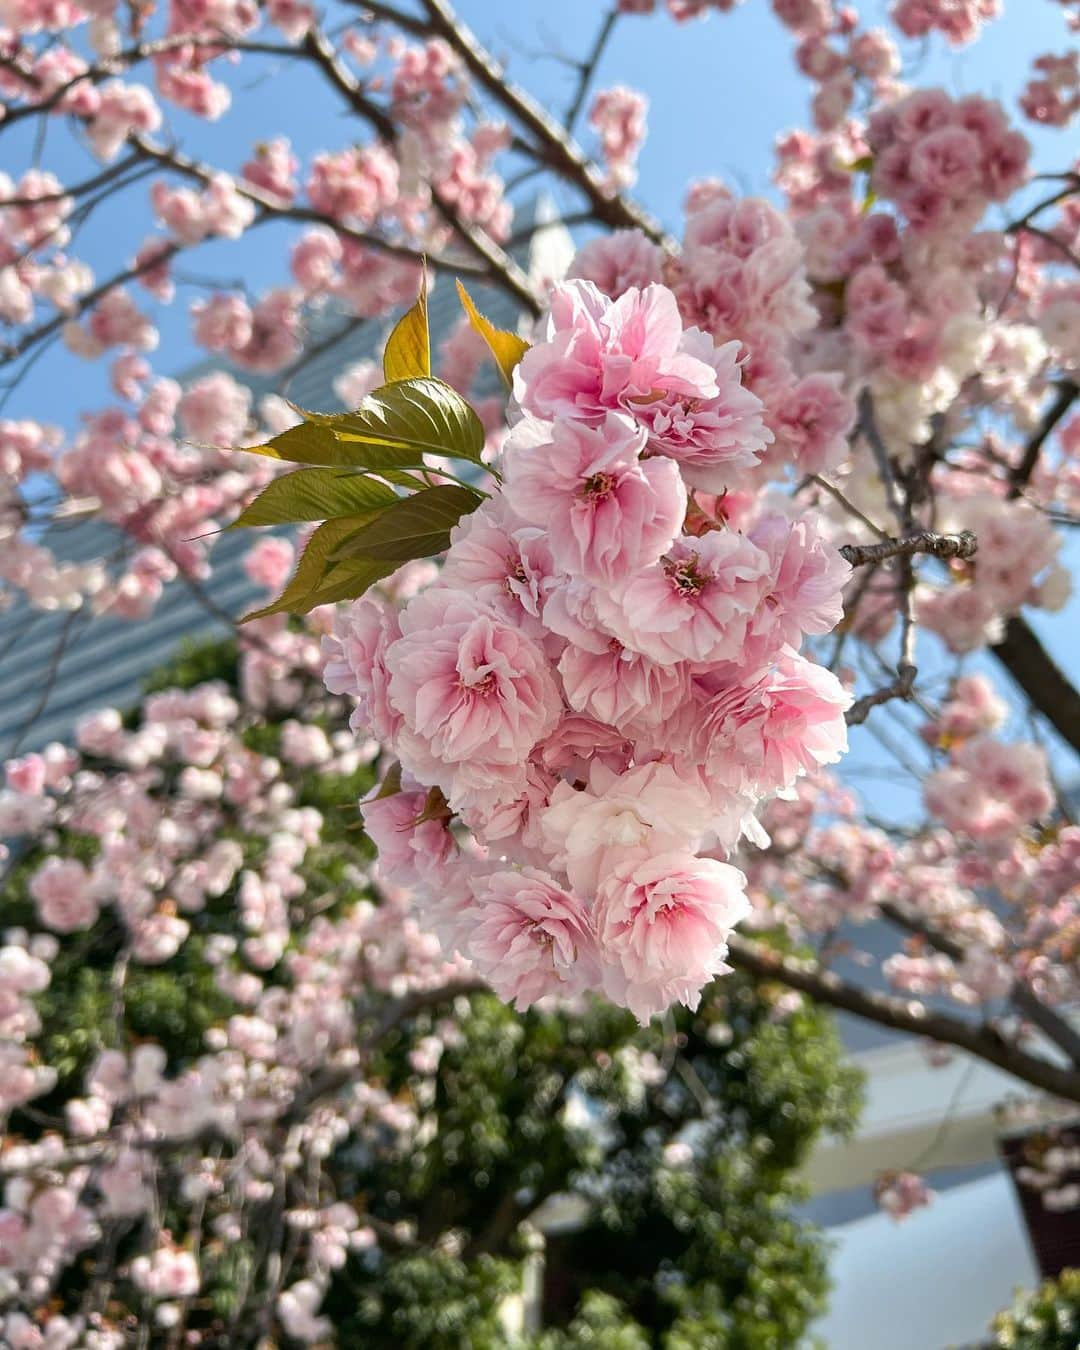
[905,1015]
[1041,679]
[1021,474]
[1022,997]
[962,545]
[502,267]
[557,149]
[588,67]
[904,684]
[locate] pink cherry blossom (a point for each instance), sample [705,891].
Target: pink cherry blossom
[663,923]
[475,694]
[606,511]
[530,938]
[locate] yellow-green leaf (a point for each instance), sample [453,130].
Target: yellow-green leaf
[507,348]
[424,415]
[319,443]
[408,348]
[345,581]
[413,527]
[315,494]
[312,568]
[393,428]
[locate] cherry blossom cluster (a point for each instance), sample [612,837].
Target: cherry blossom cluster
[605,679]
[959,21]
[198,843]
[608,731]
[1052,95]
[618,116]
[985,836]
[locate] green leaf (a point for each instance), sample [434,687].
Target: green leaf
[424,415]
[507,348]
[315,494]
[345,581]
[312,569]
[408,348]
[413,527]
[393,429]
[317,442]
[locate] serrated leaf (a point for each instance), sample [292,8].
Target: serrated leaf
[317,442]
[394,428]
[408,348]
[345,581]
[424,415]
[312,568]
[507,348]
[315,494]
[413,527]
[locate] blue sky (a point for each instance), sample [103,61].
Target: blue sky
[720,92]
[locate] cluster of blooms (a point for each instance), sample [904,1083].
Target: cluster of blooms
[604,686]
[186,820]
[1052,95]
[618,116]
[900,1193]
[958,20]
[1053,1172]
[943,160]
[1018,566]
[601,694]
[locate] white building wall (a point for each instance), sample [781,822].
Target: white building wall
[933,1280]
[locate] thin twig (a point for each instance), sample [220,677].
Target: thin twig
[588,67]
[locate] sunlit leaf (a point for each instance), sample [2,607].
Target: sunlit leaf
[423,415]
[413,527]
[393,428]
[315,494]
[507,348]
[319,443]
[345,581]
[408,348]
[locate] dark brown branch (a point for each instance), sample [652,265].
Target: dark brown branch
[1020,651]
[1041,679]
[556,148]
[903,686]
[867,425]
[122,61]
[116,170]
[1022,997]
[13,350]
[962,545]
[1070,191]
[1049,238]
[904,1015]
[503,269]
[1021,474]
